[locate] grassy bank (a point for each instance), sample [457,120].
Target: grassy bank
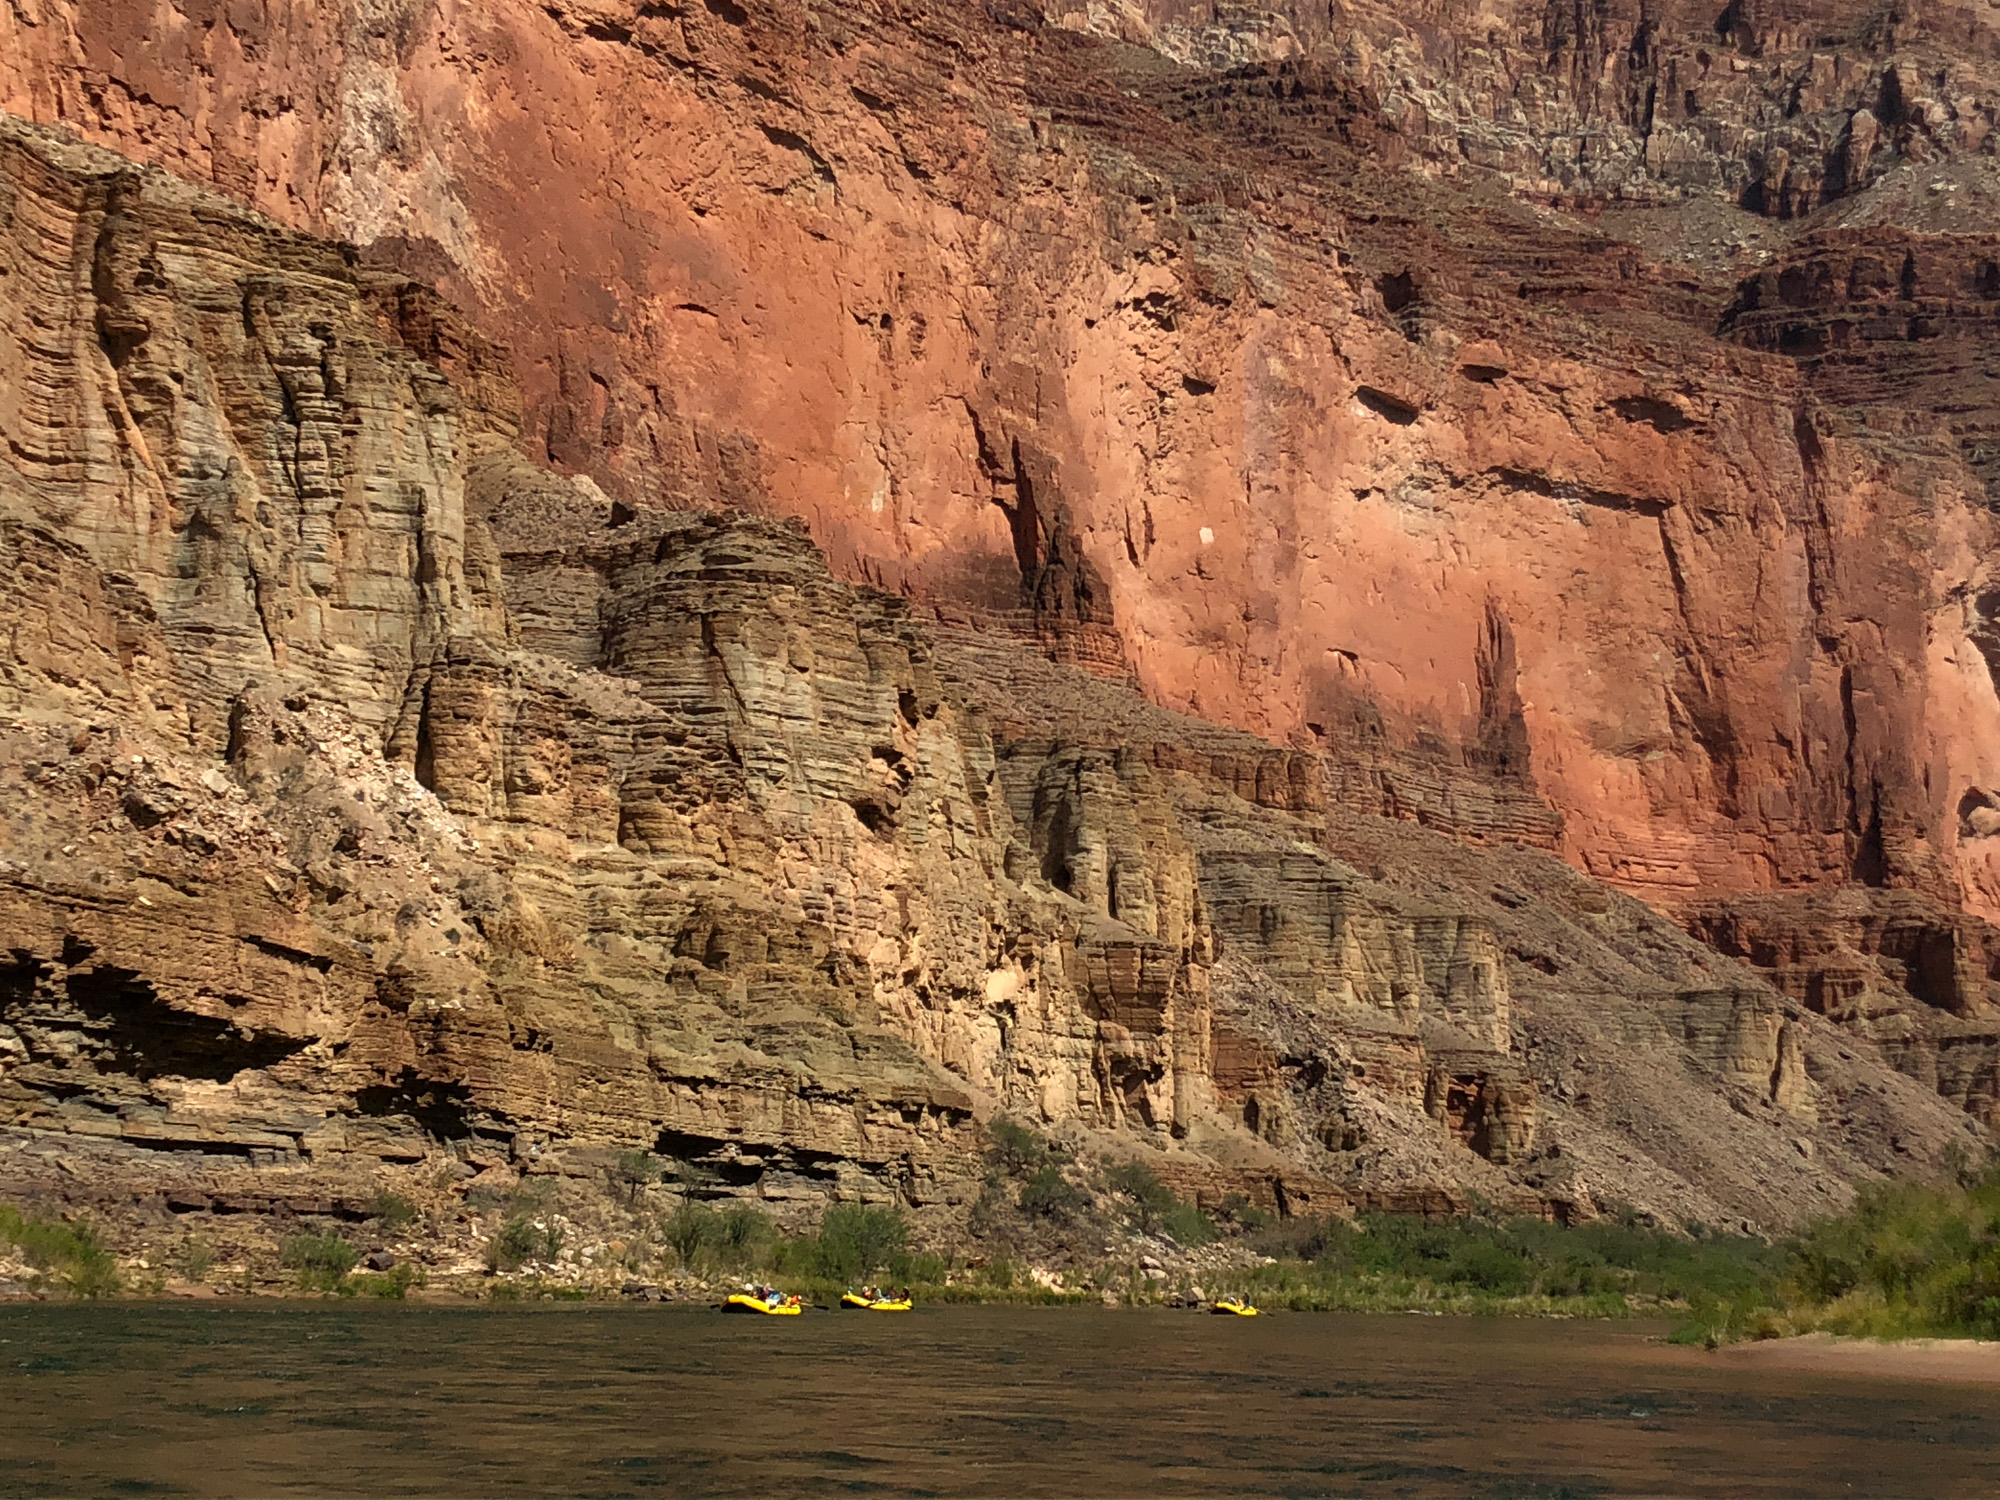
[854,1244]
[1907,1260]
[1382,1263]
[61,1256]
[1396,1263]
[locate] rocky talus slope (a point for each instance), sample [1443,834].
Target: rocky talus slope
[379,808]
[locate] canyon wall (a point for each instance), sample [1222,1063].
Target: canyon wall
[383,809]
[1240,350]
[1520,430]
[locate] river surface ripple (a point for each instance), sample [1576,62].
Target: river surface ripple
[301,1398]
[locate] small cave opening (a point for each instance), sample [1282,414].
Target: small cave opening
[1386,406]
[1398,290]
[1661,416]
[1733,27]
[443,1110]
[877,818]
[1978,814]
[1933,970]
[707,1160]
[1871,855]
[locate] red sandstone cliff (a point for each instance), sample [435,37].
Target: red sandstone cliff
[1256,381]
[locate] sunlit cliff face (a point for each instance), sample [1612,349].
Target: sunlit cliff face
[1248,352]
[1562,438]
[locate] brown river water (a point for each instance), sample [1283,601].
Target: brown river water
[258,1399]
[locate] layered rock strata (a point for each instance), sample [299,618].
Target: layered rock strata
[1781,107]
[1915,978]
[1551,1026]
[381,806]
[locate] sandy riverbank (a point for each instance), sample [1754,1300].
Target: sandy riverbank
[1957,1360]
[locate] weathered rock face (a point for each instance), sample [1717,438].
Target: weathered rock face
[1782,107]
[1915,978]
[1410,982]
[259,652]
[376,801]
[1247,353]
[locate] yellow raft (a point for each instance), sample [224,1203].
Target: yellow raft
[1234,1307]
[876,1304]
[743,1302]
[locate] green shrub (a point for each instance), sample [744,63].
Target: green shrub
[1240,1211]
[636,1169]
[1906,1259]
[322,1261]
[1577,1278]
[688,1177]
[519,1241]
[688,1230]
[394,1283]
[392,1211]
[1049,1195]
[1717,1319]
[194,1259]
[1606,1268]
[638,1166]
[1490,1266]
[922,1268]
[1150,1200]
[743,1238]
[857,1241]
[1016,1150]
[733,1239]
[70,1252]
[988,1209]
[1308,1240]
[1188,1226]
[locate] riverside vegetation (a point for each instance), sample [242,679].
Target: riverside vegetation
[1907,1259]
